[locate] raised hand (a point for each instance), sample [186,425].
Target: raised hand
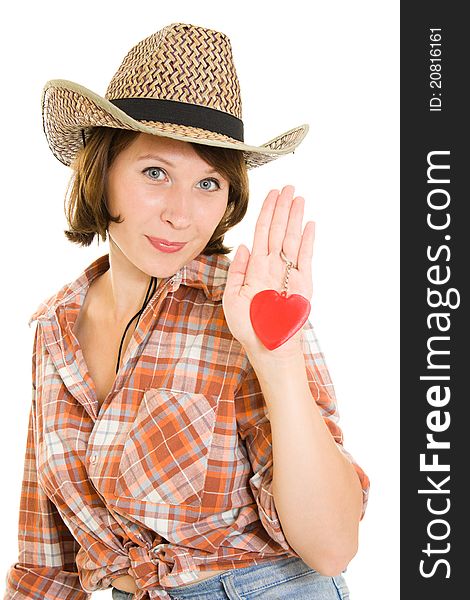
[279,227]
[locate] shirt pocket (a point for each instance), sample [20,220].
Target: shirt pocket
[165,453]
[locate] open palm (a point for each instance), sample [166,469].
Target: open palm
[279,227]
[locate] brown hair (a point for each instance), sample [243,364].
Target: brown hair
[87,212]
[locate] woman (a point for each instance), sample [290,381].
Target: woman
[172,451]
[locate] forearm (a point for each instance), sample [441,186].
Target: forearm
[316,490]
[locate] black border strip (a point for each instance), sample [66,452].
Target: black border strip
[434,261]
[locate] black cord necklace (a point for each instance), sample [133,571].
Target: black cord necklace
[148,295]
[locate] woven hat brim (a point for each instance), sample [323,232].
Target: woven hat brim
[68,108]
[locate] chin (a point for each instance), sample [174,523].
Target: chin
[170,263]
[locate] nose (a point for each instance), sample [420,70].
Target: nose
[177,208]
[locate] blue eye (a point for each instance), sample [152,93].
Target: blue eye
[205,184]
[153,169]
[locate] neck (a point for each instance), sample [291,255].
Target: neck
[123,287]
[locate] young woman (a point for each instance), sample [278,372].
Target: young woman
[173,449]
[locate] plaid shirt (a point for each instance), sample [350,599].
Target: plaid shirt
[172,475]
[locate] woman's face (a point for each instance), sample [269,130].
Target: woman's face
[163,189]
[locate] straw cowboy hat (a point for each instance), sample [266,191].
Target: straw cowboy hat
[179,82]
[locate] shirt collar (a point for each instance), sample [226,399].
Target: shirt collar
[208,273]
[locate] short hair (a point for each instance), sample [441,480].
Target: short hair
[85,202]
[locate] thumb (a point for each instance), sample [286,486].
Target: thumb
[237,269]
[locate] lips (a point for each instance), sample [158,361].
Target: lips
[167,242]
[165,245]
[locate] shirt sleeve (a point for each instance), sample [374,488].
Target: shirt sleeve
[255,430]
[46,568]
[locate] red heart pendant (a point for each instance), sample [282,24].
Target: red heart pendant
[276,318]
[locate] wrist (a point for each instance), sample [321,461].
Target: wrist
[281,358]
[288,352]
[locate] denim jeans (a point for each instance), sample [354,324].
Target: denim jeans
[285,579]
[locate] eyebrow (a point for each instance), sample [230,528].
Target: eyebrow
[170,164]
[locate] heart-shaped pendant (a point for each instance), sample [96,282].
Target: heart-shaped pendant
[276,317]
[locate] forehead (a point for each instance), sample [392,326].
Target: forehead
[148,144]
[146,149]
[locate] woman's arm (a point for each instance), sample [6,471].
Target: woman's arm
[317,492]
[45,568]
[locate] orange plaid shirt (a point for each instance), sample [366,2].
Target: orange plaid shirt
[172,475]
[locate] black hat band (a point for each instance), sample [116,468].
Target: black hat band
[182,113]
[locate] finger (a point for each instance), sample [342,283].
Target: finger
[293,236]
[304,262]
[237,270]
[261,236]
[280,218]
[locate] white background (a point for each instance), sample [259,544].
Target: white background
[334,67]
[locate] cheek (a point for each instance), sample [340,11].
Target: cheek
[128,200]
[117,192]
[210,219]
[220,209]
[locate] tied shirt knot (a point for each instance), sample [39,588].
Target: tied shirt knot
[149,565]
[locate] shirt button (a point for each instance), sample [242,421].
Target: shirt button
[93,459]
